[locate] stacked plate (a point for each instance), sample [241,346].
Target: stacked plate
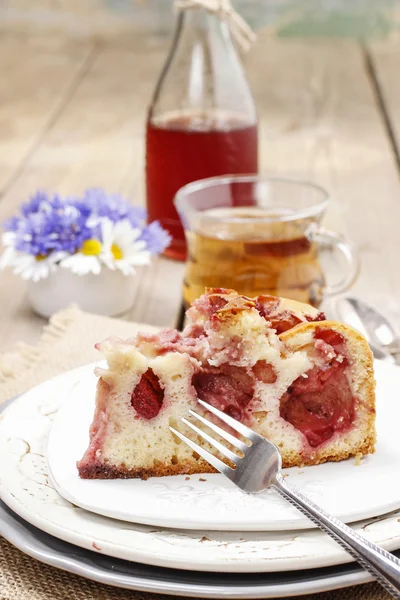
[190,536]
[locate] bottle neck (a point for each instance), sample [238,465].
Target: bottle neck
[199,18]
[201,24]
[203,71]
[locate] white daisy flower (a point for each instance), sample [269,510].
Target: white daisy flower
[8,238]
[86,260]
[34,267]
[9,254]
[121,248]
[8,257]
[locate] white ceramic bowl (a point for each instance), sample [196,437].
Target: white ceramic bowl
[110,293]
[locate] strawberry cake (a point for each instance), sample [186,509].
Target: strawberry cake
[279,366]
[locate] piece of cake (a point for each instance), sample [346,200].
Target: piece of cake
[278,366]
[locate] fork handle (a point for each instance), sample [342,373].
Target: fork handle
[382,565]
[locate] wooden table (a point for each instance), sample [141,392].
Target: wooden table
[72,116]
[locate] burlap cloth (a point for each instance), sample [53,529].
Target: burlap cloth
[67,342]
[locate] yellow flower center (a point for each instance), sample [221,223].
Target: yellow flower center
[91,248]
[117,252]
[40,257]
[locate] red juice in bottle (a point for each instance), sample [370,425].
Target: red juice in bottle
[182,147]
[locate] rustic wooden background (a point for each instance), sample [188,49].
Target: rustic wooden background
[116,18]
[72,113]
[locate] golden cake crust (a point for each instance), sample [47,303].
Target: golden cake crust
[187,467]
[236,303]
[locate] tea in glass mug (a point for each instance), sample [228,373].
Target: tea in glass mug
[258,236]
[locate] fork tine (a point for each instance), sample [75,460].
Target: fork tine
[220,447]
[210,458]
[224,434]
[239,427]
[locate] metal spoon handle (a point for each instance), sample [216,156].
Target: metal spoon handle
[382,565]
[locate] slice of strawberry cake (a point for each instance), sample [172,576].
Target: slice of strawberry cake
[301,381]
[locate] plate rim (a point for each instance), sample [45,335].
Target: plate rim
[99,574]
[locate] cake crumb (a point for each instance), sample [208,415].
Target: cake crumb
[358,459]
[202,479]
[285,475]
[204,539]
[187,478]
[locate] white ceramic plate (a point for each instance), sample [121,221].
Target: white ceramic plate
[135,576]
[25,488]
[348,491]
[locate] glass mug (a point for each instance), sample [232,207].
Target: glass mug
[259,236]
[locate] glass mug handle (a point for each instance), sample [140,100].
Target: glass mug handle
[330,239]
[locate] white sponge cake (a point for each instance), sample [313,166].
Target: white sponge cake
[303,382]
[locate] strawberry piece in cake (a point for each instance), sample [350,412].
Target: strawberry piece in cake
[277,365]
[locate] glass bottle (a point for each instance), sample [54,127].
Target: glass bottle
[202,120]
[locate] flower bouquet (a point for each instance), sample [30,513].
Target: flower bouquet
[83,249]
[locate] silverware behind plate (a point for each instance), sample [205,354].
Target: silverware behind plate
[257,467]
[376,328]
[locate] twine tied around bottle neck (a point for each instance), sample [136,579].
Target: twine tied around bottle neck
[223,9]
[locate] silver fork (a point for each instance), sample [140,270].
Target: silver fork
[259,468]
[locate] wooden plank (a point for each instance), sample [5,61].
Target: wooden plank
[98,140]
[17,322]
[320,122]
[36,78]
[159,298]
[384,59]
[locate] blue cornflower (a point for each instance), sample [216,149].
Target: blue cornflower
[113,207]
[39,202]
[69,228]
[52,227]
[156,238]
[11,224]
[49,225]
